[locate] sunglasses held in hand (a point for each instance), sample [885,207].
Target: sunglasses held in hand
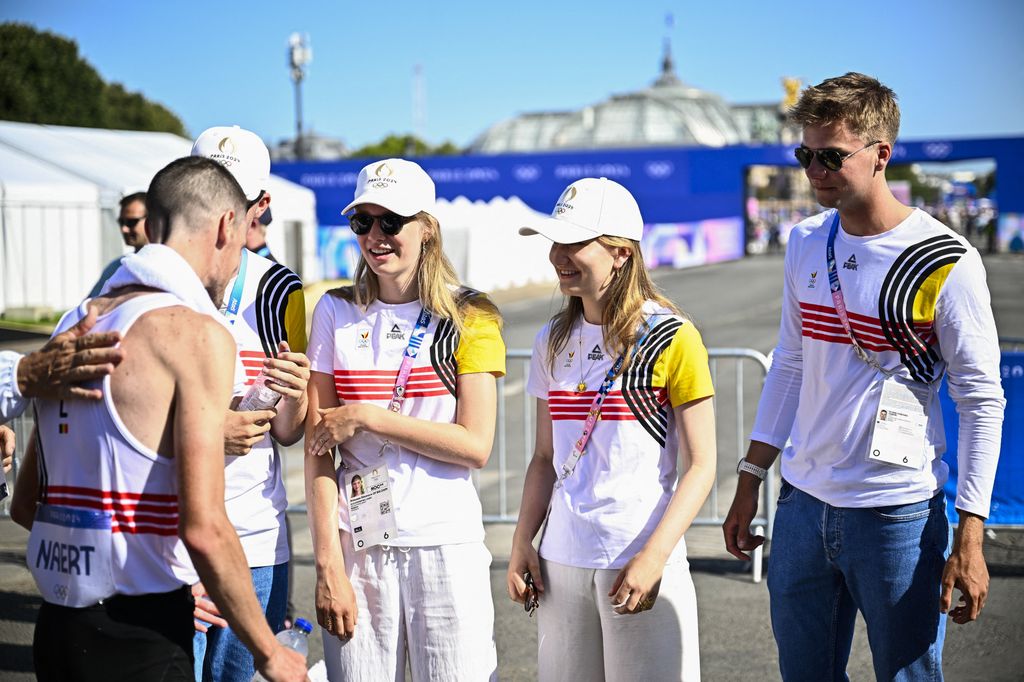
[831,159]
[531,602]
[390,223]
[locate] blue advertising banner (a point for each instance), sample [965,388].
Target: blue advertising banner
[672,185]
[682,192]
[1008,495]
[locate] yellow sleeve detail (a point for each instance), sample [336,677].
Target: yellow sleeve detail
[295,321]
[481,348]
[683,367]
[924,299]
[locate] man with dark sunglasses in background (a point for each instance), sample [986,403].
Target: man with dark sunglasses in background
[861,518]
[132,222]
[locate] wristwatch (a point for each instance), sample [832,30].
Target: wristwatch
[744,465]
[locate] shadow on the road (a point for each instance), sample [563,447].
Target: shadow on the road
[21,608]
[16,658]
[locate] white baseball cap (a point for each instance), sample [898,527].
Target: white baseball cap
[239,150]
[588,208]
[398,185]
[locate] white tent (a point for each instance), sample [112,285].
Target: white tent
[59,188]
[482,241]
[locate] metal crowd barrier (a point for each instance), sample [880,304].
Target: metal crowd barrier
[500,483]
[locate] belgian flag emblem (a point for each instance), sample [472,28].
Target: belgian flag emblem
[62,428]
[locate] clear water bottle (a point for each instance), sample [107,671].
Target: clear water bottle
[296,638]
[259,396]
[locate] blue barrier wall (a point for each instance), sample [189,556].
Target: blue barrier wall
[1008,495]
[671,185]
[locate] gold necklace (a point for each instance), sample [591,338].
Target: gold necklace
[582,386]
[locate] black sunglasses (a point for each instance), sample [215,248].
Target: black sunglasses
[130,223]
[831,159]
[390,223]
[531,602]
[250,204]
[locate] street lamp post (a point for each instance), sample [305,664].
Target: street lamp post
[300,53]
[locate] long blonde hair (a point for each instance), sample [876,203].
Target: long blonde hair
[630,288]
[437,281]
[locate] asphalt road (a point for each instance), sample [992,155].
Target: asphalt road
[734,305]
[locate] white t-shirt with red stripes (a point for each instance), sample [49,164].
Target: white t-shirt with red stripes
[434,502]
[608,508]
[271,310]
[918,276]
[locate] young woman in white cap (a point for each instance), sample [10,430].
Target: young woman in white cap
[623,408]
[404,365]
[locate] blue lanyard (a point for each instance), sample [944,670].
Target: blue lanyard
[840,303]
[235,300]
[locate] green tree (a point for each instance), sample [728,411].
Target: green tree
[43,79]
[405,145]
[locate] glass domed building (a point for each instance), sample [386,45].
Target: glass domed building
[669,113]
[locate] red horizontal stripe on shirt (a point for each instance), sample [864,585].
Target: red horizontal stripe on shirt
[117,495]
[829,313]
[628,417]
[380,395]
[116,507]
[378,372]
[142,530]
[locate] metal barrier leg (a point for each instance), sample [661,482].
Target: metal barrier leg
[758,556]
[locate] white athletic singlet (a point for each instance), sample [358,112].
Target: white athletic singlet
[88,462]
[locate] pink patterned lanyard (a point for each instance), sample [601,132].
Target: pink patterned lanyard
[840,303]
[405,369]
[595,411]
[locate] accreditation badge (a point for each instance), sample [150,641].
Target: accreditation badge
[69,555]
[901,424]
[371,515]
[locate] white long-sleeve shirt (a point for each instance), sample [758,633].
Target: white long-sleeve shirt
[823,398]
[12,403]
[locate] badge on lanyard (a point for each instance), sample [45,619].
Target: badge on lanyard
[901,425]
[901,420]
[69,555]
[371,515]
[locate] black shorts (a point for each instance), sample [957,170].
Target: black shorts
[144,637]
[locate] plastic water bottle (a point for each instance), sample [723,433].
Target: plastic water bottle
[259,396]
[296,638]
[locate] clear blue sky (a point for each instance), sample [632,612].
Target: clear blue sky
[957,66]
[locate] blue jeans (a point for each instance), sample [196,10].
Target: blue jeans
[220,656]
[829,562]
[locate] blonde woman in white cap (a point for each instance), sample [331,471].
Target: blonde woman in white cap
[404,365]
[623,408]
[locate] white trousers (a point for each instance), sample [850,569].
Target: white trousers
[580,637]
[430,604]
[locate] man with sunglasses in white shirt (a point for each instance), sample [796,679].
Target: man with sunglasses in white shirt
[880,301]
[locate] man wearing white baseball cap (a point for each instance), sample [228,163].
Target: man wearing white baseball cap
[266,309]
[621,375]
